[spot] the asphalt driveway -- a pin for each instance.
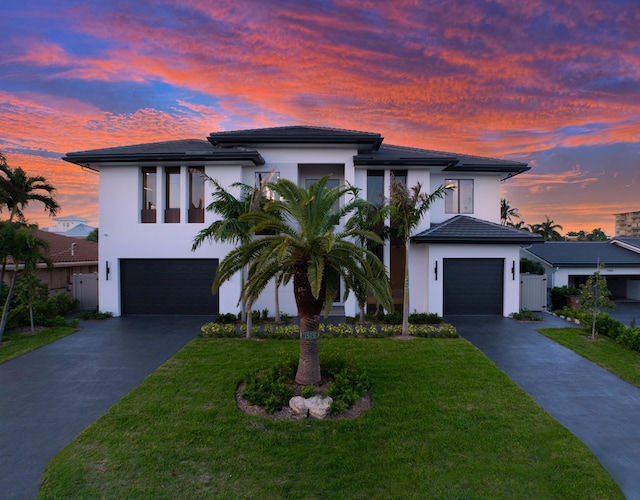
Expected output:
(48, 396)
(599, 408)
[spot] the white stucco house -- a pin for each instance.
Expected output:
(71, 226)
(153, 198)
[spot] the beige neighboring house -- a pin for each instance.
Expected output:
(70, 256)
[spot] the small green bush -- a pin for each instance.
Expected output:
(393, 318)
(226, 318)
(424, 318)
(526, 315)
(531, 266)
(308, 391)
(559, 296)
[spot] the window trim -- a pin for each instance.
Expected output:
(148, 215)
(195, 215)
(171, 213)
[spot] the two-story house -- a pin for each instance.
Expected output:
(153, 198)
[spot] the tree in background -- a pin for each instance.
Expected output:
(17, 189)
(406, 211)
(93, 235)
(548, 230)
(595, 235)
(302, 242)
(19, 246)
(508, 213)
(594, 295)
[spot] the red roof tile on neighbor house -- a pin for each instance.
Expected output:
(66, 249)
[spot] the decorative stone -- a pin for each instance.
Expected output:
(299, 406)
(318, 406)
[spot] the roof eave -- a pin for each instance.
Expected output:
(92, 161)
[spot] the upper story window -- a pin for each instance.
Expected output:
(196, 194)
(460, 199)
(400, 176)
(149, 192)
(172, 194)
(375, 187)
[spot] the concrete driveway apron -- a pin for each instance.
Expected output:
(599, 408)
(48, 396)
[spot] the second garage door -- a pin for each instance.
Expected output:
(473, 286)
(168, 286)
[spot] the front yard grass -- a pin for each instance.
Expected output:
(445, 423)
(15, 344)
(604, 351)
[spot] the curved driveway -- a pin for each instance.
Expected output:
(48, 396)
(598, 407)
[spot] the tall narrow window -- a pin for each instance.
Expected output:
(375, 187)
(460, 199)
(148, 212)
(172, 198)
(196, 195)
(400, 176)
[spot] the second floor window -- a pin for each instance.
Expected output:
(196, 194)
(148, 213)
(460, 199)
(172, 189)
(262, 178)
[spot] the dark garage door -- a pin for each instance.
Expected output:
(168, 286)
(473, 286)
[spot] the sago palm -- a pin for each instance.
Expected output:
(303, 243)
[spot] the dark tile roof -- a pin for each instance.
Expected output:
(179, 150)
(628, 242)
(297, 134)
(241, 145)
(464, 229)
(584, 253)
(67, 249)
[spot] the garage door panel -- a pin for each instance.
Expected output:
(168, 286)
(473, 286)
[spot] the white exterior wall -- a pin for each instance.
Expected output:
(511, 281)
(486, 196)
(123, 236)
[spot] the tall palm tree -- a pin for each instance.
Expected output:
(19, 243)
(17, 189)
(406, 211)
(305, 244)
(548, 230)
(229, 228)
(507, 213)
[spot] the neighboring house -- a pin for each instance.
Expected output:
(69, 256)
(72, 226)
(570, 263)
(152, 199)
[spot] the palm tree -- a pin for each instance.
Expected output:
(17, 189)
(368, 217)
(548, 230)
(507, 213)
(229, 228)
(406, 211)
(19, 243)
(304, 244)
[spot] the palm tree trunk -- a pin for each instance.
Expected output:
(405, 299)
(249, 321)
(7, 304)
(309, 309)
(276, 315)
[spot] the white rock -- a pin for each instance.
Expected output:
(299, 405)
(318, 406)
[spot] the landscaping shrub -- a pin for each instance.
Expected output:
(526, 315)
(393, 318)
(45, 307)
(424, 318)
(559, 296)
(531, 266)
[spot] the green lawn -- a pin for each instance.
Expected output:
(15, 344)
(604, 351)
(445, 423)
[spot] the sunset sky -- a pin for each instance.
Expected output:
(555, 83)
